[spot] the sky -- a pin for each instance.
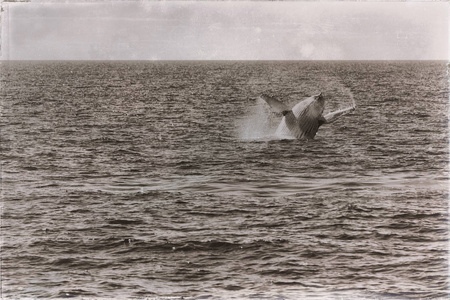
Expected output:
(225, 30)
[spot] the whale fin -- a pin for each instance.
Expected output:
(333, 116)
(276, 105)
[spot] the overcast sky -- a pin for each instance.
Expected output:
(172, 30)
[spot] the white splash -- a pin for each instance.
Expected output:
(259, 122)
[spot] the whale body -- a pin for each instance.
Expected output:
(305, 118)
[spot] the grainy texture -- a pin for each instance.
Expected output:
(141, 179)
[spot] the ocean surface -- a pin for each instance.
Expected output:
(165, 179)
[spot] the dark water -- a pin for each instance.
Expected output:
(144, 179)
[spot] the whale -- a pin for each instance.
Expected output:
(304, 119)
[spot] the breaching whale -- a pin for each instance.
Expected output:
(305, 118)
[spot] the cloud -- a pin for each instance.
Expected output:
(226, 30)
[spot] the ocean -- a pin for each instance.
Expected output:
(124, 179)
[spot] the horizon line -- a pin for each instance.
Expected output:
(209, 60)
